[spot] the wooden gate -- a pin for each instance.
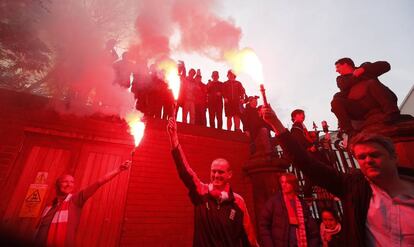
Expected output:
(42, 160)
(102, 215)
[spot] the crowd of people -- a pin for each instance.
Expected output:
(155, 98)
(377, 199)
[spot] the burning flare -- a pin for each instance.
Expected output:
(171, 75)
(136, 126)
(245, 61)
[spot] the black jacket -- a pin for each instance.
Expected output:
(252, 121)
(215, 93)
(224, 224)
(337, 240)
(372, 71)
(298, 133)
(274, 224)
(233, 91)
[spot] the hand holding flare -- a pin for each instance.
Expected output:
(136, 128)
(173, 79)
(263, 91)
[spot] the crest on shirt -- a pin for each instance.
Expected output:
(232, 214)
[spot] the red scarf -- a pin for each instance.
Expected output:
(296, 217)
(58, 227)
(326, 234)
(219, 195)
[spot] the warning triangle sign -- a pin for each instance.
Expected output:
(33, 197)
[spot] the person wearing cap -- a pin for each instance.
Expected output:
(215, 100)
(255, 128)
(234, 96)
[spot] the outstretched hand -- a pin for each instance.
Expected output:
(269, 116)
(172, 132)
(125, 166)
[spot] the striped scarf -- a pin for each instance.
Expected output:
(58, 227)
(296, 217)
(300, 231)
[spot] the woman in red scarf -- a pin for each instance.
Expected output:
(330, 229)
(286, 219)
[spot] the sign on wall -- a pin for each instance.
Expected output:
(34, 197)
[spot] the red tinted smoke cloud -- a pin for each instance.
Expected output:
(78, 37)
(82, 71)
(200, 29)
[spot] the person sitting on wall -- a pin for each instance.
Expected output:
(220, 215)
(59, 221)
(330, 229)
(286, 219)
(362, 96)
(255, 128)
(377, 199)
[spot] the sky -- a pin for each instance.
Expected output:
(299, 41)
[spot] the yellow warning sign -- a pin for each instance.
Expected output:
(34, 197)
(33, 200)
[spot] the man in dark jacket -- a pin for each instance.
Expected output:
(286, 220)
(220, 215)
(200, 101)
(234, 95)
(215, 100)
(255, 128)
(378, 201)
(362, 96)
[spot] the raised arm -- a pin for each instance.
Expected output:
(187, 175)
(91, 189)
(372, 70)
(320, 174)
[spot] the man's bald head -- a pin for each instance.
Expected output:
(223, 162)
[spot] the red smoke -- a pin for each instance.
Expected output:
(77, 31)
(201, 31)
(82, 73)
